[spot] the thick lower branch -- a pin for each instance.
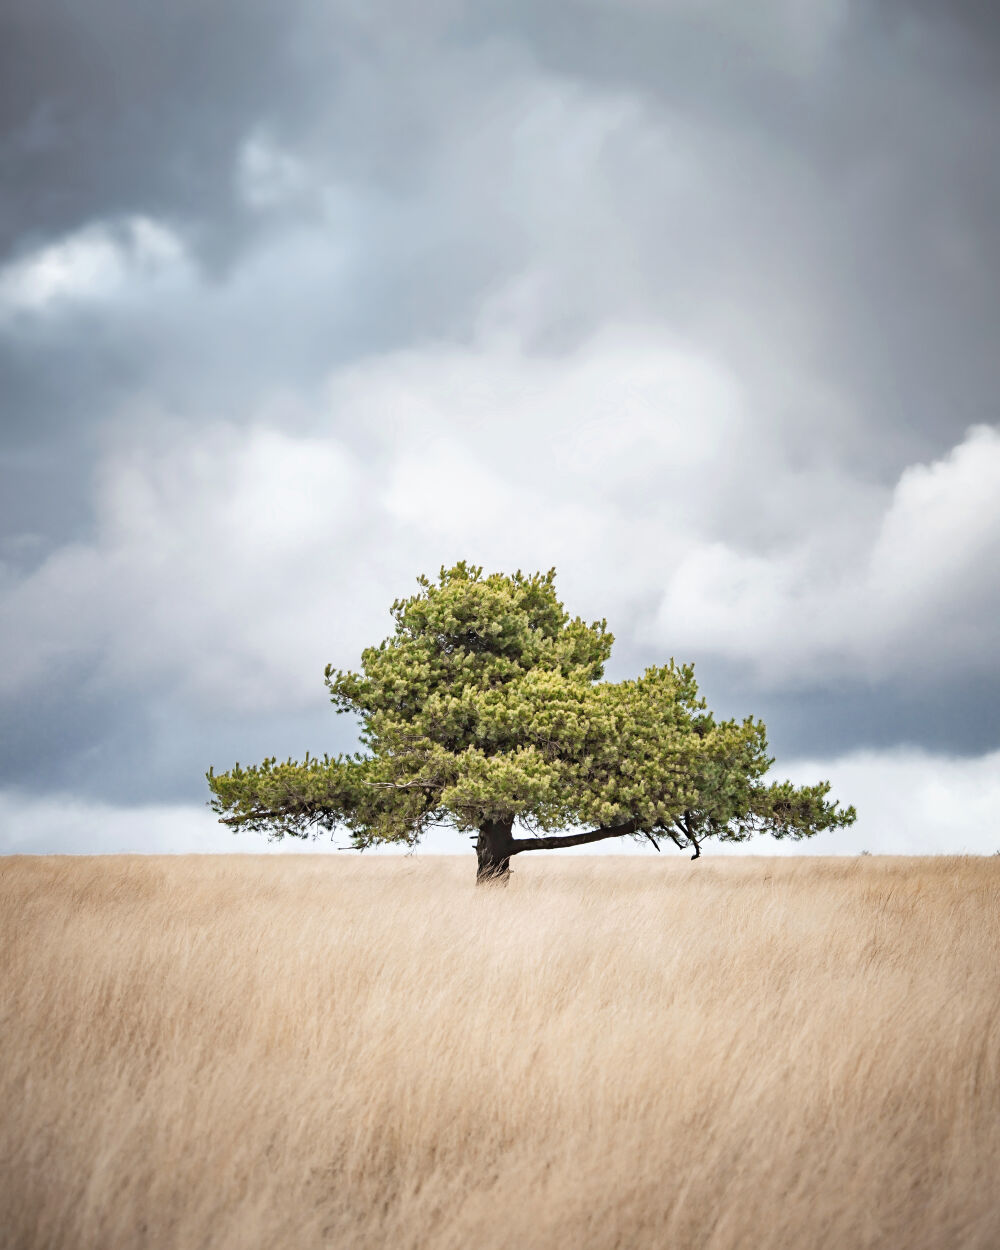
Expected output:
(560, 841)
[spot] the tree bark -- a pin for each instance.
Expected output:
(572, 839)
(494, 847)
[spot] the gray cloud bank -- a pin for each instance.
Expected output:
(697, 302)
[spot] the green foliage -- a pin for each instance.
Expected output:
(487, 704)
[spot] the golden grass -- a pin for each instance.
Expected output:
(242, 1052)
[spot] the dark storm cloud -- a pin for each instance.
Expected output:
(858, 172)
(837, 718)
(116, 107)
(851, 182)
(251, 198)
(143, 751)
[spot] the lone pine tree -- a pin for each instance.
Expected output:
(486, 710)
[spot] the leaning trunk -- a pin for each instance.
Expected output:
(494, 847)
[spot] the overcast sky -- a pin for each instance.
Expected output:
(696, 300)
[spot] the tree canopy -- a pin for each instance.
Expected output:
(486, 709)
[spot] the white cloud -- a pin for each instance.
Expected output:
(230, 563)
(909, 803)
(66, 825)
(54, 825)
(919, 588)
(95, 264)
(939, 547)
(211, 575)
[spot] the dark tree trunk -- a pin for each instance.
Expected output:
(494, 847)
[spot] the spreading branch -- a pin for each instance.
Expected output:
(558, 842)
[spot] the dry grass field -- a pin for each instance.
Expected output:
(238, 1052)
